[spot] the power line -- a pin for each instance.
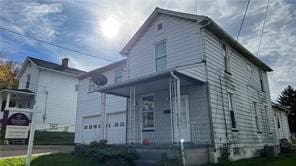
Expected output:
(242, 23)
(263, 26)
(55, 45)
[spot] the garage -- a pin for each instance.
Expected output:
(91, 129)
(115, 128)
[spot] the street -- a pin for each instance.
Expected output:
(20, 150)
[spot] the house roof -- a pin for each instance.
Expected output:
(102, 69)
(207, 23)
(279, 107)
(54, 66)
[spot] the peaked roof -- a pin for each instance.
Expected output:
(102, 69)
(205, 22)
(54, 66)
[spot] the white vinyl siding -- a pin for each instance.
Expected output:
(91, 86)
(183, 46)
(245, 85)
(160, 56)
(256, 113)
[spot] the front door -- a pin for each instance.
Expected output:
(182, 129)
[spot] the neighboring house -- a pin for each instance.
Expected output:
(89, 119)
(281, 117)
(188, 80)
(56, 89)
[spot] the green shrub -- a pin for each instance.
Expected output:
(106, 154)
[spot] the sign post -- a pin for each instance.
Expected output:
(31, 139)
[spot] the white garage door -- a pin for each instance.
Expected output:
(91, 129)
(116, 128)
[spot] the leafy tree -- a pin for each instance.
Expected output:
(8, 72)
(287, 99)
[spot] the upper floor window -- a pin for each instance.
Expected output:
(118, 76)
(226, 59)
(91, 86)
(231, 110)
(28, 81)
(261, 80)
(161, 56)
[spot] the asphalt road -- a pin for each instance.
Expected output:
(20, 150)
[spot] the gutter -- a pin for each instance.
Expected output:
(212, 26)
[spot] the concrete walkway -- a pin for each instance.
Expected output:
(21, 150)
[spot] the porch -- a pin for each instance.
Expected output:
(165, 108)
(15, 100)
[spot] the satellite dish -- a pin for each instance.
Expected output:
(99, 79)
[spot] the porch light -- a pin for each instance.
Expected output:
(181, 140)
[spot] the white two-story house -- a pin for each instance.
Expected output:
(56, 88)
(90, 116)
(190, 81)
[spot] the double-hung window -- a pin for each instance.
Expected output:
(231, 110)
(148, 112)
(28, 81)
(256, 117)
(161, 56)
(118, 76)
(91, 86)
(261, 80)
(267, 119)
(226, 59)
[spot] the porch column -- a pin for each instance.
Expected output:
(7, 101)
(176, 105)
(103, 116)
(132, 115)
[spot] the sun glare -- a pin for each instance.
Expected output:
(110, 27)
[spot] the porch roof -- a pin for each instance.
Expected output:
(150, 83)
(16, 93)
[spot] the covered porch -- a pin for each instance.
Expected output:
(165, 108)
(13, 101)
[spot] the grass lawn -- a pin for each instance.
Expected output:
(60, 159)
(281, 160)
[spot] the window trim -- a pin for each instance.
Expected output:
(267, 119)
(142, 112)
(226, 58)
(162, 56)
(28, 82)
(231, 110)
(118, 74)
(257, 122)
(91, 83)
(262, 87)
(163, 27)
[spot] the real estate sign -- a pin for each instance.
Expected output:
(17, 126)
(16, 132)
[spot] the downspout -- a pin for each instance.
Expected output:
(178, 99)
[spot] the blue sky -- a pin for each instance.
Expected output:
(77, 24)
